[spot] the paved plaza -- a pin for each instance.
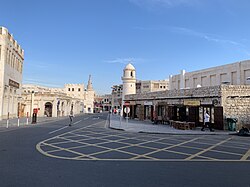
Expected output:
(119, 123)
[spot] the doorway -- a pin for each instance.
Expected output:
(48, 109)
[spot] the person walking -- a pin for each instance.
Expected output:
(71, 118)
(207, 122)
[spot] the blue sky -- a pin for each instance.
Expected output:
(66, 40)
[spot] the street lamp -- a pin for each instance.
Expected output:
(32, 101)
(8, 87)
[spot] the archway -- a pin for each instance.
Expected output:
(48, 109)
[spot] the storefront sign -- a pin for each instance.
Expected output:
(148, 103)
(191, 103)
(206, 103)
(13, 83)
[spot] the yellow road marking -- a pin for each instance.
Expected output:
(143, 157)
(205, 150)
(176, 145)
(245, 156)
(107, 149)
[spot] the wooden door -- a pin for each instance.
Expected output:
(193, 115)
(218, 118)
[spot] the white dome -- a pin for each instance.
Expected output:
(129, 67)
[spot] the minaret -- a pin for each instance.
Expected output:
(129, 82)
(89, 97)
(89, 86)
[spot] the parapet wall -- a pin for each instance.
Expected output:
(212, 91)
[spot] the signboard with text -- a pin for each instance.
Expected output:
(192, 103)
(13, 83)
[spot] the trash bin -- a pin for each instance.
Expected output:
(231, 124)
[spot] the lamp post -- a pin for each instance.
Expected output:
(8, 114)
(18, 110)
(32, 102)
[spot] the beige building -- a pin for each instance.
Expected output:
(223, 91)
(85, 95)
(189, 105)
(231, 74)
(50, 102)
(151, 86)
(11, 69)
(56, 102)
(116, 96)
(102, 103)
(106, 102)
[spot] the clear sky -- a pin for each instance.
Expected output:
(66, 40)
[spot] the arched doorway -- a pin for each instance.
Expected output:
(48, 109)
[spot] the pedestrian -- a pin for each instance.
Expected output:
(71, 118)
(207, 122)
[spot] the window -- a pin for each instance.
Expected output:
(131, 74)
(69, 89)
(79, 89)
(73, 89)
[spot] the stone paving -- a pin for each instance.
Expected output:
(116, 122)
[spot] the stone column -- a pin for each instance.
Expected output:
(54, 108)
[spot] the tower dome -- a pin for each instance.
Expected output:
(129, 67)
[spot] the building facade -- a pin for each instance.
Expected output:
(151, 86)
(222, 102)
(49, 102)
(102, 103)
(57, 102)
(141, 86)
(231, 74)
(116, 96)
(11, 70)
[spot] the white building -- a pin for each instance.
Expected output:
(11, 68)
(56, 102)
(129, 82)
(50, 102)
(231, 74)
(140, 86)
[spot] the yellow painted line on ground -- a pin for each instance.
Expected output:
(76, 147)
(111, 149)
(176, 145)
(205, 150)
(107, 149)
(225, 152)
(88, 157)
(58, 129)
(71, 151)
(245, 156)
(38, 146)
